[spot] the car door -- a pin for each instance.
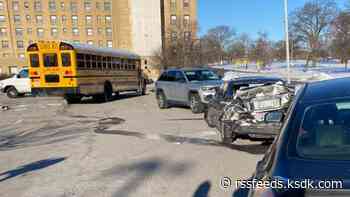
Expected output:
(170, 85)
(180, 90)
(22, 83)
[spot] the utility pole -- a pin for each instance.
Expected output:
(287, 38)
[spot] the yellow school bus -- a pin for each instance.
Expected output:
(78, 70)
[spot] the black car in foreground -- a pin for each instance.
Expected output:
(240, 108)
(313, 146)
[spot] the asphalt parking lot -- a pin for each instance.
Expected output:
(127, 147)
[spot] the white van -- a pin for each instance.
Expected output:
(16, 86)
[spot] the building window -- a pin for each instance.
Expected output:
(54, 32)
(88, 20)
(39, 19)
(20, 44)
(187, 35)
(5, 55)
(2, 18)
(107, 6)
(100, 31)
(4, 44)
(73, 6)
(15, 6)
(90, 42)
(3, 31)
(52, 5)
(89, 31)
(17, 19)
(108, 31)
(19, 32)
(186, 3)
(173, 36)
(100, 43)
(98, 6)
(2, 6)
(173, 20)
(65, 30)
(64, 19)
(109, 43)
(40, 32)
(75, 31)
(53, 20)
(186, 20)
(29, 31)
(63, 6)
(28, 18)
(173, 4)
(75, 20)
(108, 20)
(87, 5)
(26, 5)
(76, 41)
(37, 6)
(99, 20)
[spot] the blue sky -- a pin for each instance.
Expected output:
(250, 16)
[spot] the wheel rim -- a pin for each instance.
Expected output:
(160, 100)
(193, 102)
(12, 93)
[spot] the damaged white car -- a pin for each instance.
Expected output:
(249, 108)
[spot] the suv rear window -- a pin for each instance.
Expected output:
(50, 60)
(325, 132)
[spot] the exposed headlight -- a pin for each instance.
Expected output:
(204, 89)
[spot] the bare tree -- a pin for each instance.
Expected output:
(219, 39)
(341, 37)
(311, 23)
(261, 50)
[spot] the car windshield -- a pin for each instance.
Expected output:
(325, 132)
(201, 75)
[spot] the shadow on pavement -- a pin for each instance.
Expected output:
(140, 172)
(255, 149)
(38, 165)
(184, 119)
(203, 190)
(123, 96)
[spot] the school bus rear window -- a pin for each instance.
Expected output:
(50, 60)
(34, 60)
(66, 59)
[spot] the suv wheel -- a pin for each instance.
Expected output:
(161, 99)
(12, 92)
(228, 136)
(196, 103)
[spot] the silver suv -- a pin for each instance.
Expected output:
(190, 87)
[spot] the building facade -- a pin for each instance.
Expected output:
(135, 25)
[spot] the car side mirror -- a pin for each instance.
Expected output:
(274, 117)
(18, 76)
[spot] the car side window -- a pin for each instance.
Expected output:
(171, 76)
(23, 74)
(180, 77)
(164, 77)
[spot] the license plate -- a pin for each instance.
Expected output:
(267, 104)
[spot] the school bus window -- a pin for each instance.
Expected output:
(66, 59)
(133, 67)
(88, 61)
(80, 60)
(109, 63)
(93, 62)
(34, 60)
(104, 62)
(50, 60)
(99, 62)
